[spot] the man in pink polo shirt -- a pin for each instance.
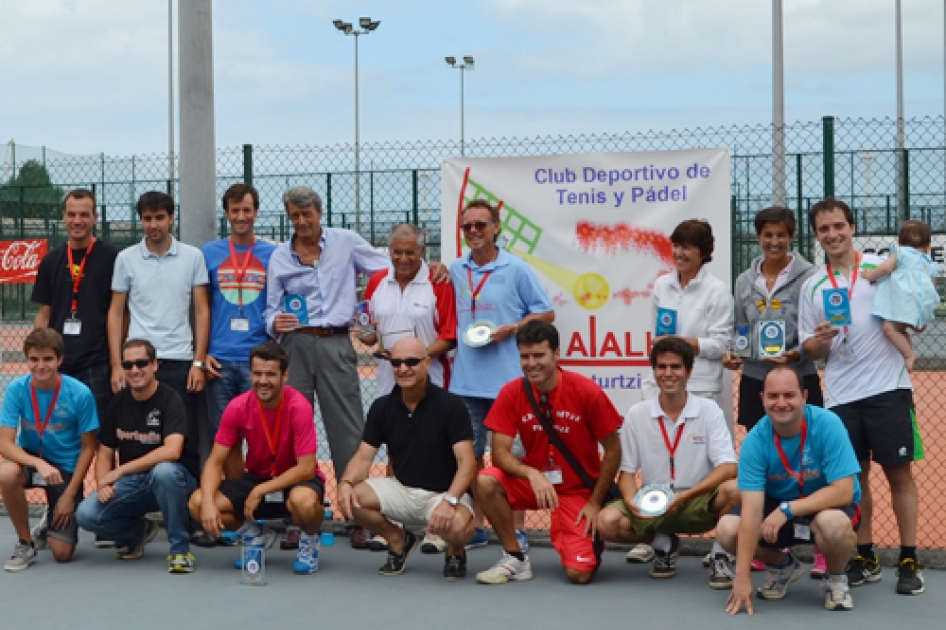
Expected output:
(282, 477)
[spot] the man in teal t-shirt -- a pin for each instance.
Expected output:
(56, 420)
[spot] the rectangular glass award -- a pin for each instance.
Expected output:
(771, 339)
(742, 341)
(837, 307)
(295, 305)
(666, 322)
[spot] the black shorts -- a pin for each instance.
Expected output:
(883, 428)
(70, 534)
(237, 490)
(750, 398)
(786, 535)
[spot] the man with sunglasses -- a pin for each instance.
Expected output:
(583, 417)
(497, 287)
(47, 440)
(157, 466)
(430, 444)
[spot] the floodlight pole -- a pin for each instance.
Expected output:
(779, 195)
(902, 210)
(468, 64)
(367, 25)
(171, 97)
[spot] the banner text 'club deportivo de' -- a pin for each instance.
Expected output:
(595, 228)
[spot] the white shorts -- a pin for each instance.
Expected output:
(410, 506)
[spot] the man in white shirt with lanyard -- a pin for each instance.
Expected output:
(867, 385)
(679, 440)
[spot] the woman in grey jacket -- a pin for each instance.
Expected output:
(769, 290)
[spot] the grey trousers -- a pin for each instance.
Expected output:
(327, 367)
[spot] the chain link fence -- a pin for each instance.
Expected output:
(856, 160)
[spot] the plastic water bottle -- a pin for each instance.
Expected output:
(328, 529)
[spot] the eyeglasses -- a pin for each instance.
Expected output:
(139, 363)
(479, 226)
(409, 362)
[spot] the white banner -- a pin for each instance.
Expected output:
(595, 228)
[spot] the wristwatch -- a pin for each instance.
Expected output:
(199, 364)
(786, 508)
(452, 500)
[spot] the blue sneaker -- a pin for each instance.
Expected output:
(307, 558)
(523, 539)
(479, 539)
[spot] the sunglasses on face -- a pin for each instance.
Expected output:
(409, 362)
(139, 363)
(479, 226)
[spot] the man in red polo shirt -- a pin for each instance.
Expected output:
(584, 417)
(282, 477)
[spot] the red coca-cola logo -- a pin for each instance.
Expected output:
(20, 260)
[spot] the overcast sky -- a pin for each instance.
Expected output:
(89, 76)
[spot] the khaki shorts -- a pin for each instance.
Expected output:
(410, 506)
(696, 517)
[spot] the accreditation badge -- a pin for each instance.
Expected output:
(72, 327)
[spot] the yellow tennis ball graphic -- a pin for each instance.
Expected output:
(591, 291)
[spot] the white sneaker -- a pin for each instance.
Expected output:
(642, 553)
(508, 568)
(837, 594)
(24, 555)
(39, 533)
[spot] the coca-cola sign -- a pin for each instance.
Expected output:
(19, 260)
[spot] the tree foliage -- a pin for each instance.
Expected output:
(31, 193)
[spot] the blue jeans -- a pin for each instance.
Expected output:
(234, 380)
(166, 487)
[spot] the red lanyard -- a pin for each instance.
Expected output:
(271, 439)
(77, 276)
(797, 476)
(671, 449)
(237, 271)
(475, 293)
(41, 424)
(853, 281)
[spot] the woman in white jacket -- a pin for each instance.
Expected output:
(703, 306)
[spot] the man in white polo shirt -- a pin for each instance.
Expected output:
(682, 441)
(157, 279)
(403, 302)
(867, 385)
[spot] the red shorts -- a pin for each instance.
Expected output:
(576, 550)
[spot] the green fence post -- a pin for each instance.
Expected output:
(105, 228)
(371, 203)
(804, 243)
(248, 164)
(906, 185)
(328, 198)
(827, 125)
(414, 196)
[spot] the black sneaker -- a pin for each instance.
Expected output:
(397, 561)
(861, 570)
(910, 577)
(454, 567)
(665, 562)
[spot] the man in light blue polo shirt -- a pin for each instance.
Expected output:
(157, 279)
(490, 285)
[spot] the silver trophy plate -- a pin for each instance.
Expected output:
(478, 334)
(653, 500)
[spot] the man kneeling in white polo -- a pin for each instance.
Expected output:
(430, 446)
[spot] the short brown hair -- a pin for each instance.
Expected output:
(776, 215)
(673, 345)
(695, 233)
(44, 339)
(141, 343)
(79, 193)
(270, 351)
(915, 234)
(827, 205)
(237, 192)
